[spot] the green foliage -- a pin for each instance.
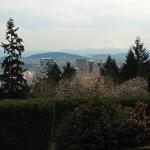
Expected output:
(68, 71)
(25, 125)
(111, 69)
(93, 126)
(28, 124)
(46, 87)
(52, 73)
(137, 62)
(137, 128)
(80, 123)
(43, 89)
(141, 53)
(129, 69)
(13, 83)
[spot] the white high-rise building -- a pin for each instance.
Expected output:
(93, 68)
(87, 66)
(82, 65)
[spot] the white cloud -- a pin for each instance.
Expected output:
(59, 24)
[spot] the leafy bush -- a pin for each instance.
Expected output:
(78, 86)
(43, 89)
(137, 128)
(25, 125)
(28, 124)
(133, 87)
(91, 126)
(80, 123)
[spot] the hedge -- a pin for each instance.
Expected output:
(27, 124)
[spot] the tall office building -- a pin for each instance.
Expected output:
(87, 66)
(93, 68)
(82, 65)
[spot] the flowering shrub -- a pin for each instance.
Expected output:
(91, 86)
(137, 129)
(134, 87)
(78, 86)
(138, 118)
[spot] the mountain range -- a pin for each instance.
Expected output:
(33, 57)
(32, 62)
(63, 57)
(59, 57)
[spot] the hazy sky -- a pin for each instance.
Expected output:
(75, 24)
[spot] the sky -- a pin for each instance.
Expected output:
(77, 24)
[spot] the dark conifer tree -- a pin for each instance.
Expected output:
(141, 54)
(68, 71)
(52, 73)
(130, 67)
(111, 69)
(108, 63)
(137, 62)
(13, 83)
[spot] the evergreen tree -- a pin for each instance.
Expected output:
(141, 54)
(130, 67)
(111, 69)
(108, 63)
(137, 62)
(13, 83)
(68, 71)
(52, 73)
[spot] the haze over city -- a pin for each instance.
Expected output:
(77, 24)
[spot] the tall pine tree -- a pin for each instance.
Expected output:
(143, 60)
(13, 84)
(137, 63)
(142, 56)
(52, 73)
(111, 69)
(68, 71)
(129, 69)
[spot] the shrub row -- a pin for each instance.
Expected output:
(25, 125)
(28, 124)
